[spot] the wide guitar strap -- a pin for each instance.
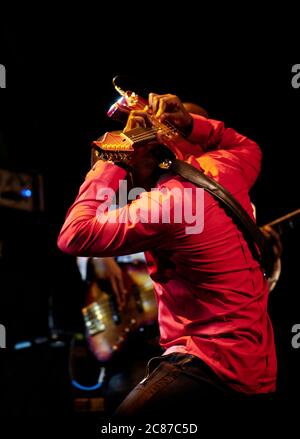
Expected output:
(258, 244)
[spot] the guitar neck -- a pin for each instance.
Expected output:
(141, 135)
(285, 222)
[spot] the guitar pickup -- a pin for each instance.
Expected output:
(93, 319)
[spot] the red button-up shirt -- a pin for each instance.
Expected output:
(211, 294)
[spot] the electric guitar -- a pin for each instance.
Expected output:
(107, 326)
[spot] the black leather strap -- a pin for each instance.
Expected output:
(252, 233)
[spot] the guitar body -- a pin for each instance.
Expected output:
(107, 327)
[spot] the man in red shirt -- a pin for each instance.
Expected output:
(211, 293)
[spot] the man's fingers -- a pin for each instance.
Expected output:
(114, 286)
(168, 105)
(121, 286)
(160, 103)
(171, 117)
(137, 119)
(119, 290)
(274, 237)
(153, 102)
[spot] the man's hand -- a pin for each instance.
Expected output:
(107, 268)
(274, 238)
(166, 107)
(169, 108)
(275, 241)
(115, 276)
(138, 118)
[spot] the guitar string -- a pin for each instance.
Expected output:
(148, 134)
(164, 127)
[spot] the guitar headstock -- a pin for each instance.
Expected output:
(119, 147)
(127, 102)
(114, 147)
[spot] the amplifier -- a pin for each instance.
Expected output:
(22, 191)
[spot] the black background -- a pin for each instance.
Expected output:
(59, 87)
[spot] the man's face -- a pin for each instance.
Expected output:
(144, 161)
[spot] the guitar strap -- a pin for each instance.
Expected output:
(258, 244)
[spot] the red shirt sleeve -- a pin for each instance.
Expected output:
(237, 150)
(92, 229)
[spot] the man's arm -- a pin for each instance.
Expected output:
(241, 152)
(237, 150)
(90, 229)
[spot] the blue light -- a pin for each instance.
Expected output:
(89, 388)
(26, 193)
(23, 345)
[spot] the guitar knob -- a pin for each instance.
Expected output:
(133, 321)
(127, 329)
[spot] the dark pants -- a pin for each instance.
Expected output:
(178, 387)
